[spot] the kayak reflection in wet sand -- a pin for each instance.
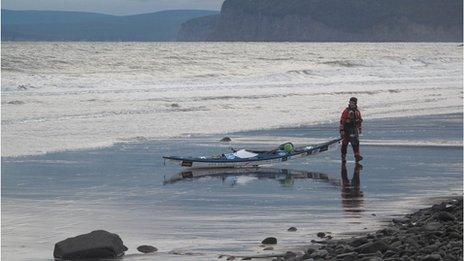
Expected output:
(227, 175)
(352, 196)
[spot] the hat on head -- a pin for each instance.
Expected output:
(354, 99)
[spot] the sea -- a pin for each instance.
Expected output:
(85, 126)
(61, 96)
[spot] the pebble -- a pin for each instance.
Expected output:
(359, 241)
(310, 251)
(269, 241)
(289, 255)
(432, 226)
(147, 249)
(372, 247)
(432, 257)
(348, 256)
(320, 253)
(444, 216)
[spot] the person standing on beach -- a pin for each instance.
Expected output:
(350, 128)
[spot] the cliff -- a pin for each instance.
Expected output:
(330, 20)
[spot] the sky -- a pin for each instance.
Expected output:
(115, 7)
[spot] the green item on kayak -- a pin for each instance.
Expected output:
(287, 147)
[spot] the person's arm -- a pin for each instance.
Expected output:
(359, 122)
(343, 120)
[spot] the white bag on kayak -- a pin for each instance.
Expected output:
(243, 154)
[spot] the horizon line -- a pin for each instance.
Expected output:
(89, 12)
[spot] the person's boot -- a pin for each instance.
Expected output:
(343, 158)
(358, 158)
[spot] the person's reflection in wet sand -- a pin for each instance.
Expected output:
(352, 196)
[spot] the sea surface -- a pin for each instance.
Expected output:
(61, 96)
(85, 126)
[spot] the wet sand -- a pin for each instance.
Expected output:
(127, 190)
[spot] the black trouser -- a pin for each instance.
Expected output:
(350, 138)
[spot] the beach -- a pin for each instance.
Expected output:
(85, 126)
(127, 189)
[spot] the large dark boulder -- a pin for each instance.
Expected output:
(96, 244)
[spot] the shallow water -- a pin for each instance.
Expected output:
(60, 96)
(127, 190)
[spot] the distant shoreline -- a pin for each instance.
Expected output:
(28, 25)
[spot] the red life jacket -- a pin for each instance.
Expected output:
(350, 121)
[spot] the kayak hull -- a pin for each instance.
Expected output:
(188, 163)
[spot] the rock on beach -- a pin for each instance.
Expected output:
(269, 241)
(96, 244)
(147, 249)
(226, 139)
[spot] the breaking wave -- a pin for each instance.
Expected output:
(163, 90)
(343, 63)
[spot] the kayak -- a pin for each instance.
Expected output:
(251, 158)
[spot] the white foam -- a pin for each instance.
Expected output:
(413, 143)
(83, 95)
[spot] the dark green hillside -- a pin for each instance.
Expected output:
(79, 26)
